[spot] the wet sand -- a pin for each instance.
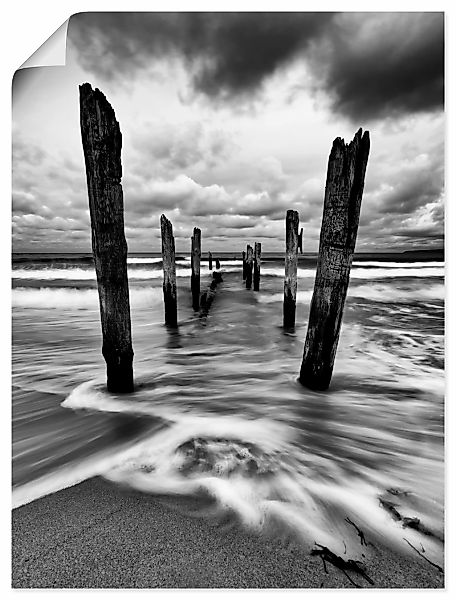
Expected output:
(97, 535)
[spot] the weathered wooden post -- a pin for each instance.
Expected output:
(249, 267)
(195, 261)
(210, 261)
(343, 193)
(102, 144)
(300, 240)
(169, 272)
(244, 268)
(257, 267)
(217, 263)
(290, 284)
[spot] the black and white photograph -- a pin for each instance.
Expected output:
(228, 303)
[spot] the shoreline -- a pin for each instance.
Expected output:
(98, 535)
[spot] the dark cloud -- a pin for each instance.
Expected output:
(384, 64)
(231, 53)
(370, 65)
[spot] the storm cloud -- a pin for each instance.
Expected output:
(177, 82)
(368, 65)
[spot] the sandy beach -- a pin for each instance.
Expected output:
(97, 535)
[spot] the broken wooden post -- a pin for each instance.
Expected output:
(300, 240)
(249, 267)
(195, 261)
(102, 144)
(210, 261)
(244, 268)
(169, 272)
(217, 263)
(343, 193)
(290, 284)
(257, 267)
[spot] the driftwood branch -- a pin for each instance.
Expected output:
(340, 563)
(425, 558)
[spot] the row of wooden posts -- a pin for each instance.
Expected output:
(102, 143)
(169, 272)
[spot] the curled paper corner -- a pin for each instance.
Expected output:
(52, 53)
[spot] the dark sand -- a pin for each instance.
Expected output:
(96, 535)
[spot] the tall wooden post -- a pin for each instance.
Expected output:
(244, 268)
(290, 284)
(169, 272)
(195, 261)
(257, 267)
(102, 144)
(210, 261)
(249, 267)
(301, 233)
(344, 189)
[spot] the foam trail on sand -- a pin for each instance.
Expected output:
(254, 468)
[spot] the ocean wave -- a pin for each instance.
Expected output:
(76, 298)
(398, 265)
(375, 291)
(365, 273)
(134, 273)
(132, 260)
(254, 468)
(77, 274)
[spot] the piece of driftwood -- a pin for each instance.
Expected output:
(257, 267)
(407, 522)
(217, 263)
(210, 260)
(343, 193)
(356, 566)
(290, 284)
(102, 145)
(438, 567)
(169, 272)
(249, 267)
(195, 260)
(359, 531)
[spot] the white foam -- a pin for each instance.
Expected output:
(399, 265)
(311, 494)
(63, 478)
(365, 273)
(66, 298)
(78, 274)
(132, 260)
(292, 491)
(374, 291)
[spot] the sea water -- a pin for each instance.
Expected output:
(218, 411)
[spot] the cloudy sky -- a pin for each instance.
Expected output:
(227, 122)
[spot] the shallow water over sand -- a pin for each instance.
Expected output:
(218, 410)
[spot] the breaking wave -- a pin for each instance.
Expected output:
(77, 298)
(258, 470)
(374, 292)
